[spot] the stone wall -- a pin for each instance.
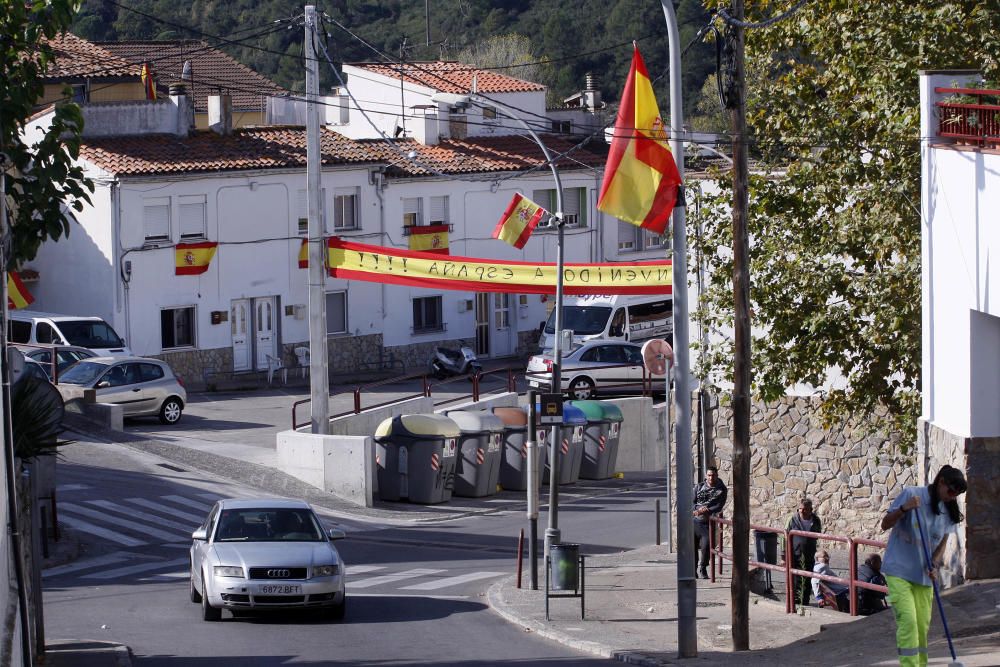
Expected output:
(974, 554)
(851, 475)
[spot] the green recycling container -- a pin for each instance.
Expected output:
(600, 438)
(415, 458)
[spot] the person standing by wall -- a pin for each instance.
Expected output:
(803, 548)
(907, 574)
(709, 499)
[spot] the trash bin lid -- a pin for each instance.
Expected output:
(475, 422)
(571, 413)
(592, 410)
(418, 425)
(611, 411)
(512, 416)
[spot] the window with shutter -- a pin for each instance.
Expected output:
(336, 312)
(192, 216)
(438, 211)
(345, 208)
(303, 211)
(572, 209)
(412, 211)
(156, 219)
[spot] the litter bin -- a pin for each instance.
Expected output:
(570, 445)
(514, 459)
(564, 567)
(477, 469)
(600, 438)
(415, 458)
(767, 551)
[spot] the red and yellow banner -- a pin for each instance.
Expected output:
(18, 295)
(641, 177)
(518, 221)
(148, 82)
(429, 238)
(359, 261)
(192, 259)
(304, 254)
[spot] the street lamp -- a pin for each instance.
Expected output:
(552, 535)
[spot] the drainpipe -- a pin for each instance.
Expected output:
(379, 178)
(124, 267)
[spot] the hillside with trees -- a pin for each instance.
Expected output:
(564, 40)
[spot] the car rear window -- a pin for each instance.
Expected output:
(150, 372)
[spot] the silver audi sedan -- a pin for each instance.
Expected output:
(265, 554)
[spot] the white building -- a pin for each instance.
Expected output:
(960, 203)
(159, 183)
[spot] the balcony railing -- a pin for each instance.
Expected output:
(969, 115)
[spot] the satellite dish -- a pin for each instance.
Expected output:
(657, 356)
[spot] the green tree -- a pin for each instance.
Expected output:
(42, 181)
(509, 54)
(834, 213)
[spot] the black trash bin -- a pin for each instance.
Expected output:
(767, 551)
(600, 438)
(514, 461)
(564, 567)
(477, 468)
(415, 458)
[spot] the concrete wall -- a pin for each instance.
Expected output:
(642, 439)
(340, 464)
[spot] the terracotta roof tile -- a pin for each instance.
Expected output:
(213, 71)
(451, 77)
(79, 59)
(271, 147)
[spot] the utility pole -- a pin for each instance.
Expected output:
(319, 378)
(687, 587)
(735, 103)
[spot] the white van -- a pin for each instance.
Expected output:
(27, 327)
(612, 317)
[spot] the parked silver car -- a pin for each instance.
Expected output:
(595, 365)
(141, 386)
(265, 554)
(65, 355)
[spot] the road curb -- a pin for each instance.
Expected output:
(72, 652)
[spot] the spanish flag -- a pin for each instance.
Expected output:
(18, 295)
(148, 82)
(429, 238)
(192, 259)
(518, 221)
(640, 178)
(304, 254)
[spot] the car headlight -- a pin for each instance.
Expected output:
(228, 571)
(324, 570)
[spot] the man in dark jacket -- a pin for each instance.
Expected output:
(803, 548)
(709, 499)
(870, 602)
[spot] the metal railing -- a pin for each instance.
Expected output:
(969, 114)
(852, 583)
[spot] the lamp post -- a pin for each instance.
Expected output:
(552, 534)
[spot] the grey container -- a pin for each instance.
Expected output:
(477, 469)
(415, 458)
(569, 448)
(514, 458)
(600, 438)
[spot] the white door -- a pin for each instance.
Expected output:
(265, 336)
(239, 317)
(502, 345)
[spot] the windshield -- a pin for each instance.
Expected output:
(582, 320)
(90, 333)
(85, 372)
(268, 525)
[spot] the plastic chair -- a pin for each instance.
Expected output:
(275, 364)
(302, 354)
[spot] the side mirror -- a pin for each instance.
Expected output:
(103, 383)
(336, 534)
(200, 534)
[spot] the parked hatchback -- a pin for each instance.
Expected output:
(141, 386)
(596, 365)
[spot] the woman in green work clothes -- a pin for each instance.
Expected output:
(904, 566)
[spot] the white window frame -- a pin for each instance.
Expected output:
(192, 217)
(574, 205)
(193, 326)
(429, 328)
(330, 309)
(156, 219)
(438, 210)
(413, 211)
(302, 204)
(632, 238)
(346, 199)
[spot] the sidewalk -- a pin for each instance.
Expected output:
(631, 616)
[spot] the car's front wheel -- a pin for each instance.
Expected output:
(208, 612)
(170, 411)
(580, 389)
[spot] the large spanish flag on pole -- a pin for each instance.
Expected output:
(640, 178)
(518, 221)
(18, 295)
(359, 261)
(192, 259)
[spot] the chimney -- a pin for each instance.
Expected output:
(220, 113)
(185, 110)
(591, 95)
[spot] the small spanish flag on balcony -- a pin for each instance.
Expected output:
(18, 295)
(192, 259)
(304, 254)
(429, 238)
(518, 221)
(148, 82)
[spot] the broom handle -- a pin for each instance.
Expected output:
(937, 596)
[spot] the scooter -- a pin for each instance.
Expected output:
(447, 362)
